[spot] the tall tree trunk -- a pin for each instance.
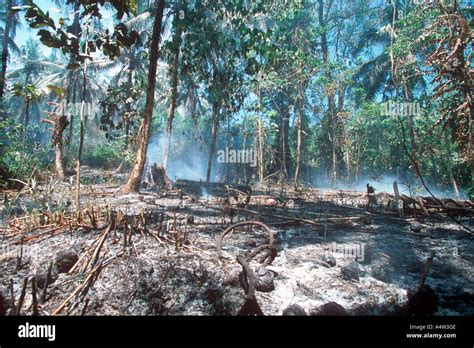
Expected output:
(411, 129)
(75, 30)
(245, 140)
(131, 66)
(72, 110)
(330, 96)
(470, 123)
(174, 93)
(298, 147)
(27, 113)
(299, 132)
(471, 147)
(228, 179)
(81, 136)
(261, 163)
(357, 164)
(60, 126)
(285, 150)
(450, 164)
(212, 149)
(282, 149)
(5, 39)
(134, 180)
(343, 158)
(58, 161)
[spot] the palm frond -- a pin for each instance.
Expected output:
(140, 22)
(102, 65)
(373, 75)
(13, 46)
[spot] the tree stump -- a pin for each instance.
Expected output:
(156, 179)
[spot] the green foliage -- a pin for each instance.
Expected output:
(260, 60)
(28, 92)
(62, 36)
(120, 110)
(107, 155)
(20, 153)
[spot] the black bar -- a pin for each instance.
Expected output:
(240, 330)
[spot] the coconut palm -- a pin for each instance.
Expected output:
(11, 22)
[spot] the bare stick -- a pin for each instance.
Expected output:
(33, 293)
(12, 295)
(20, 255)
(428, 264)
(76, 291)
(95, 256)
(48, 276)
(22, 296)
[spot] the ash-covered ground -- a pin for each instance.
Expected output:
(367, 262)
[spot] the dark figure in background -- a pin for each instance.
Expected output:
(371, 197)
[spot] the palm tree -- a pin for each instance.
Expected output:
(173, 71)
(11, 23)
(30, 94)
(134, 180)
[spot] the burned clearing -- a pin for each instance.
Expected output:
(193, 249)
(198, 158)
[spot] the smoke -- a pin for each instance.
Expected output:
(406, 185)
(187, 157)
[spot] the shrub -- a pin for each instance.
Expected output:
(107, 155)
(21, 152)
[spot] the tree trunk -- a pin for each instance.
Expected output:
(261, 163)
(282, 155)
(227, 177)
(470, 123)
(357, 164)
(343, 158)
(285, 147)
(131, 66)
(299, 132)
(133, 183)
(61, 125)
(72, 110)
(27, 114)
(75, 30)
(5, 39)
(330, 96)
(81, 141)
(298, 148)
(212, 149)
(450, 165)
(58, 162)
(174, 93)
(81, 129)
(411, 131)
(471, 148)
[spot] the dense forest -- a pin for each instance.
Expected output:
(139, 122)
(326, 93)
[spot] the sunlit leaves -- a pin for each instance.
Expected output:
(64, 39)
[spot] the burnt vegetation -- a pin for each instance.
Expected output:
(236, 158)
